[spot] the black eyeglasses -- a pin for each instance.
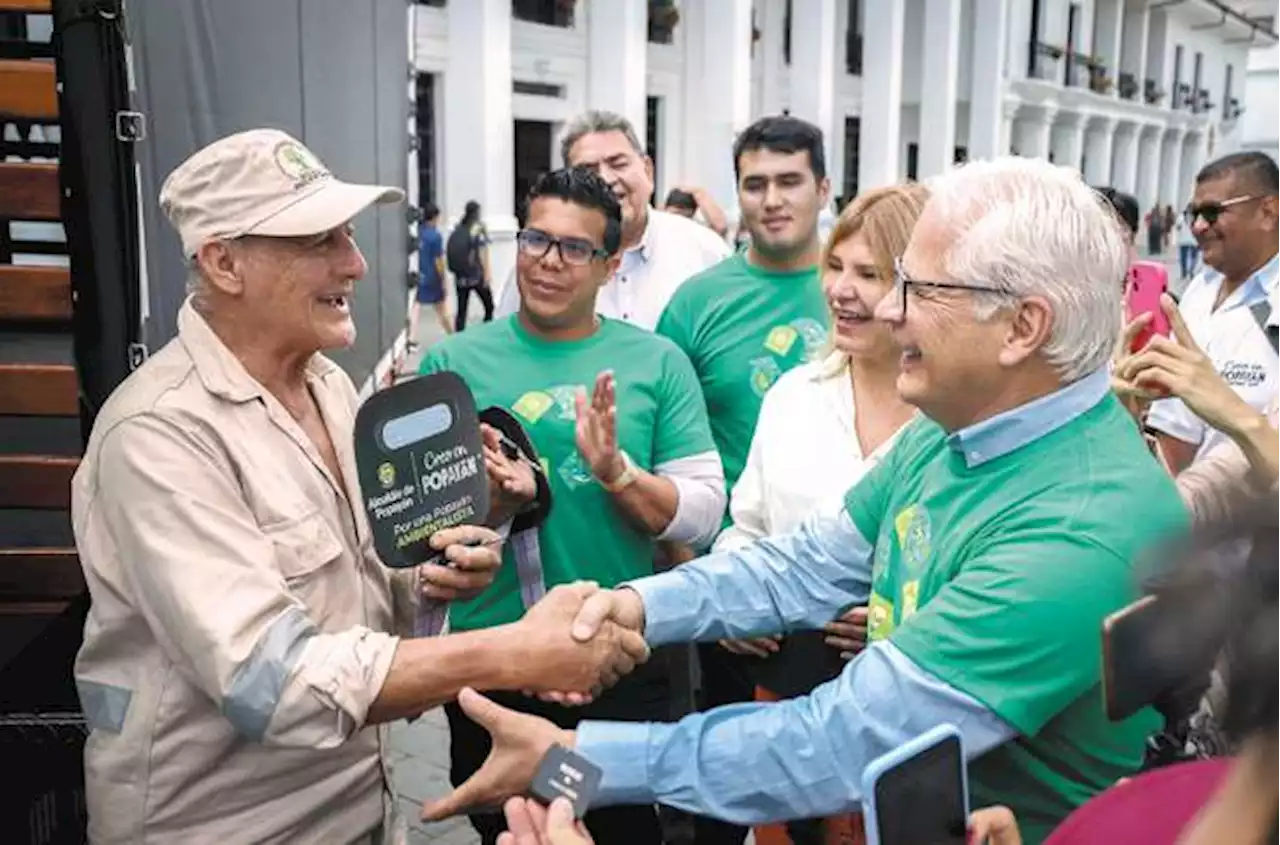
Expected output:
(901, 282)
(1211, 211)
(535, 243)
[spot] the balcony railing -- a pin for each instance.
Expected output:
(1044, 61)
(1128, 88)
(853, 52)
(1152, 94)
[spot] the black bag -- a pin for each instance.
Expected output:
(460, 253)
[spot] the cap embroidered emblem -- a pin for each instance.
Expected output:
(298, 164)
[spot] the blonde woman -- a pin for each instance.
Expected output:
(822, 426)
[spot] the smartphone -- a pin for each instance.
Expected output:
(1134, 672)
(1147, 282)
(918, 792)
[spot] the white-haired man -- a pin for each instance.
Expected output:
(241, 652)
(989, 544)
(659, 249)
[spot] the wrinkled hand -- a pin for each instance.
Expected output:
(596, 429)
(529, 823)
(511, 481)
(1133, 397)
(620, 608)
(1179, 367)
(519, 743)
(848, 632)
(993, 826)
(753, 646)
(576, 668)
(473, 554)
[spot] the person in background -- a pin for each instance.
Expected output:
(1155, 231)
(990, 543)
(430, 275)
(1188, 249)
(468, 256)
(826, 423)
(745, 322)
(689, 201)
(245, 647)
(615, 414)
(1169, 219)
(1234, 215)
(659, 249)
(1125, 207)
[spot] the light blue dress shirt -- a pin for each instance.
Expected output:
(802, 758)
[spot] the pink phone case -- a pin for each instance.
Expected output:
(1148, 281)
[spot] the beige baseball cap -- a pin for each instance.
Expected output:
(260, 182)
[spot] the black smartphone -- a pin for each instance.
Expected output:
(918, 792)
(1134, 672)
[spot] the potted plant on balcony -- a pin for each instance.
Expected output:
(1128, 86)
(663, 17)
(565, 10)
(1099, 82)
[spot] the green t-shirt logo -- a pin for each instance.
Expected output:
(902, 558)
(532, 405)
(780, 339)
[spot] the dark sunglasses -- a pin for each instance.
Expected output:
(1211, 211)
(535, 243)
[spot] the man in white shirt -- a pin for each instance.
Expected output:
(660, 249)
(1233, 216)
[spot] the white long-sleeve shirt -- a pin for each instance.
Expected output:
(804, 454)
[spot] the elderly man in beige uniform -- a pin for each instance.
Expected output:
(242, 648)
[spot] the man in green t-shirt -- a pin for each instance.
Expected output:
(617, 421)
(990, 542)
(746, 321)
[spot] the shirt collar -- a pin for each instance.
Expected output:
(1258, 286)
(218, 368)
(1013, 429)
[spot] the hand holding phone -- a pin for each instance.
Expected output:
(1147, 281)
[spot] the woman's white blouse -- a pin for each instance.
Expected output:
(804, 454)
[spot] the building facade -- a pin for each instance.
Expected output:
(1137, 94)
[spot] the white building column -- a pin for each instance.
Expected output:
(1124, 167)
(478, 128)
(617, 53)
(1067, 142)
(941, 59)
(1008, 116)
(1148, 166)
(772, 22)
(1108, 33)
(988, 124)
(718, 91)
(1034, 130)
(812, 91)
(881, 133)
(1171, 167)
(1195, 151)
(1098, 151)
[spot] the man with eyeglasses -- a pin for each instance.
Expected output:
(989, 543)
(616, 416)
(1233, 217)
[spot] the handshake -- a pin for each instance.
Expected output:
(577, 641)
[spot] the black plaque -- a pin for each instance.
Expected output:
(421, 465)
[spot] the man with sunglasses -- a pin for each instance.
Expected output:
(615, 414)
(989, 544)
(1233, 216)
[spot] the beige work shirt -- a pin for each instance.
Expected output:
(241, 622)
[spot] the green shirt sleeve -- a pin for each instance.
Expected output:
(683, 428)
(1019, 627)
(674, 324)
(432, 362)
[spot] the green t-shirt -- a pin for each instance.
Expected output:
(996, 579)
(660, 418)
(743, 327)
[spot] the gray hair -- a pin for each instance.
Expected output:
(1032, 228)
(593, 121)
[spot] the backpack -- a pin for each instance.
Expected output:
(460, 252)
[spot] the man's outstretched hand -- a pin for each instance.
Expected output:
(619, 610)
(564, 656)
(519, 743)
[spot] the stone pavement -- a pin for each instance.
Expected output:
(420, 756)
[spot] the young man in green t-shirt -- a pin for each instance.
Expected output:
(747, 320)
(615, 415)
(991, 543)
